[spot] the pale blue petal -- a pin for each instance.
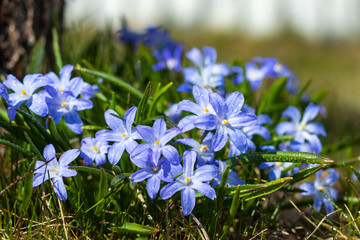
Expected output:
(49, 152)
(331, 179)
(209, 55)
(141, 175)
(234, 101)
(242, 120)
(286, 128)
(74, 122)
(171, 154)
(189, 159)
(238, 138)
(159, 128)
(68, 172)
(315, 128)
(169, 135)
(189, 106)
(129, 118)
(146, 133)
(67, 157)
(38, 105)
(308, 187)
(113, 121)
(170, 189)
(60, 189)
(220, 139)
(206, 122)
(205, 173)
(39, 179)
(187, 200)
(204, 189)
(65, 73)
(187, 123)
(292, 113)
(311, 111)
(195, 56)
(140, 155)
(153, 186)
(115, 152)
(219, 105)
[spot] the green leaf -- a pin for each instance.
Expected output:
(318, 96)
(91, 170)
(118, 82)
(35, 149)
(136, 228)
(119, 179)
(269, 97)
(65, 145)
(92, 127)
(232, 213)
(157, 96)
(280, 156)
(142, 104)
(271, 187)
(56, 48)
(17, 147)
(37, 56)
(102, 192)
(304, 174)
(28, 188)
(35, 122)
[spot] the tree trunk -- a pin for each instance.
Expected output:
(22, 24)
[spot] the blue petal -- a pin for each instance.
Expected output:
(315, 128)
(292, 113)
(219, 105)
(331, 178)
(13, 83)
(234, 101)
(204, 189)
(115, 152)
(65, 73)
(220, 139)
(238, 138)
(274, 174)
(81, 104)
(170, 189)
(100, 159)
(68, 172)
(39, 179)
(129, 118)
(189, 142)
(308, 187)
(189, 106)
(318, 200)
(265, 165)
(206, 122)
(141, 175)
(205, 173)
(76, 86)
(60, 189)
(113, 121)
(146, 133)
(49, 152)
(140, 155)
(159, 128)
(187, 123)
(286, 128)
(171, 154)
(187, 200)
(184, 88)
(3, 92)
(74, 122)
(242, 120)
(311, 111)
(153, 186)
(189, 159)
(195, 56)
(209, 55)
(38, 105)
(329, 207)
(67, 157)
(169, 135)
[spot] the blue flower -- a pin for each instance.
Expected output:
(64, 84)
(274, 69)
(190, 181)
(173, 113)
(25, 92)
(302, 129)
(207, 72)
(202, 107)
(228, 121)
(320, 188)
(239, 74)
(121, 134)
(254, 75)
(64, 104)
(163, 171)
(156, 139)
(91, 150)
(232, 180)
(205, 154)
(168, 59)
(55, 170)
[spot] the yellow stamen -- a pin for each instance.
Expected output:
(322, 189)
(279, 163)
(63, 104)
(203, 148)
(53, 169)
(206, 110)
(23, 92)
(204, 85)
(61, 90)
(157, 142)
(95, 148)
(187, 179)
(225, 122)
(154, 168)
(123, 134)
(302, 126)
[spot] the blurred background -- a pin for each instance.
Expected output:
(319, 40)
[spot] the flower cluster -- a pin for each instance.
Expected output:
(49, 95)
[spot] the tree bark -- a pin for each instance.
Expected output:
(22, 24)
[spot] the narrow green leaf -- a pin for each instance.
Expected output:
(318, 96)
(271, 187)
(113, 101)
(34, 148)
(17, 147)
(304, 174)
(28, 186)
(118, 179)
(92, 127)
(56, 135)
(34, 121)
(91, 170)
(280, 156)
(118, 82)
(232, 213)
(136, 228)
(142, 104)
(157, 96)
(56, 48)
(269, 97)
(102, 192)
(37, 56)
